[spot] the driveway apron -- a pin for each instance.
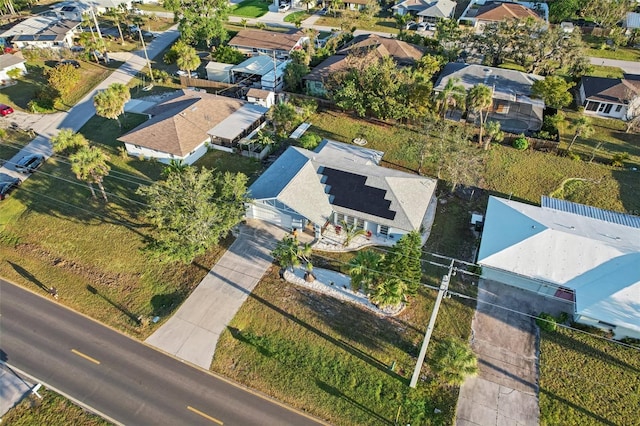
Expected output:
(192, 332)
(505, 392)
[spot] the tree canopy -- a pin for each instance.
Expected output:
(110, 102)
(192, 210)
(453, 361)
(554, 91)
(200, 20)
(63, 79)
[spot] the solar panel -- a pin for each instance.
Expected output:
(68, 8)
(349, 190)
(47, 37)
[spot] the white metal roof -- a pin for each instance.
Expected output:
(597, 259)
(240, 120)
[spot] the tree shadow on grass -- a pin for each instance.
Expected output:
(118, 306)
(594, 416)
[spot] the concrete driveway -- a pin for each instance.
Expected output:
(192, 332)
(506, 344)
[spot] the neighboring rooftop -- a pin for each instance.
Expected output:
(616, 90)
(269, 40)
(40, 26)
(494, 11)
(8, 60)
(430, 8)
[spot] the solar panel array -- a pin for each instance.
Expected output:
(349, 190)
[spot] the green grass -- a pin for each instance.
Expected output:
(597, 48)
(28, 85)
(295, 16)
(584, 380)
(382, 24)
(152, 7)
(605, 71)
(54, 234)
(52, 409)
(250, 8)
(234, 163)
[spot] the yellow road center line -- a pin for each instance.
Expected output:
(206, 416)
(87, 357)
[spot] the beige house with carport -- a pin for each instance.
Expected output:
(184, 127)
(255, 42)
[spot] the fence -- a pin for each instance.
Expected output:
(185, 81)
(536, 144)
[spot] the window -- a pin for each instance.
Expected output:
(384, 230)
(605, 108)
(592, 106)
(618, 108)
(359, 223)
(339, 218)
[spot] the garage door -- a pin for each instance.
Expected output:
(271, 215)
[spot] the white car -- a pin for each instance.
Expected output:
(284, 7)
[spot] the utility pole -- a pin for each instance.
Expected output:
(144, 47)
(95, 20)
(432, 322)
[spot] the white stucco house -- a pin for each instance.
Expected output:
(582, 254)
(9, 62)
(339, 183)
(185, 126)
(42, 32)
(426, 10)
(610, 97)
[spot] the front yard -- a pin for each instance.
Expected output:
(250, 8)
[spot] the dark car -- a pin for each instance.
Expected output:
(5, 110)
(7, 186)
(71, 62)
(29, 163)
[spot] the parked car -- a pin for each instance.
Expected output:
(284, 7)
(323, 11)
(29, 163)
(7, 186)
(411, 25)
(5, 110)
(71, 62)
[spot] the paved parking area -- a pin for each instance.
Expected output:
(505, 392)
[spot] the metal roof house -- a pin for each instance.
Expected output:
(583, 254)
(42, 32)
(341, 183)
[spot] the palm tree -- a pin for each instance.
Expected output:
(401, 20)
(363, 270)
(350, 232)
(188, 59)
(493, 132)
(451, 97)
(453, 360)
(390, 292)
(90, 165)
(116, 14)
(480, 99)
(174, 166)
(67, 140)
(110, 103)
(583, 129)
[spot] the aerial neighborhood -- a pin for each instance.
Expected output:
(349, 212)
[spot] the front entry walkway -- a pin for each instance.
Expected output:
(505, 392)
(192, 332)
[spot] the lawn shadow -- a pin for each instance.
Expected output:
(337, 393)
(28, 276)
(164, 304)
(576, 407)
(132, 317)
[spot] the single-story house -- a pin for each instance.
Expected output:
(610, 97)
(185, 126)
(631, 21)
(482, 12)
(42, 32)
(266, 98)
(585, 255)
(101, 6)
(355, 4)
(512, 106)
(255, 42)
(426, 10)
(9, 62)
(403, 54)
(72, 10)
(339, 183)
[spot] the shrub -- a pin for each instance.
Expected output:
(573, 156)
(546, 322)
(619, 159)
(309, 141)
(521, 143)
(592, 330)
(631, 341)
(227, 55)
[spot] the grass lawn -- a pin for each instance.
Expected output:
(12, 143)
(606, 72)
(597, 48)
(250, 8)
(382, 24)
(584, 380)
(52, 409)
(28, 85)
(299, 15)
(54, 234)
(151, 7)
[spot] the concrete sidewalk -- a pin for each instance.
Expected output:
(192, 332)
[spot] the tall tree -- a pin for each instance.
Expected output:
(403, 261)
(582, 129)
(554, 91)
(64, 79)
(453, 361)
(453, 95)
(67, 141)
(494, 133)
(289, 253)
(117, 15)
(90, 165)
(479, 99)
(201, 20)
(193, 210)
(607, 13)
(110, 102)
(283, 116)
(188, 59)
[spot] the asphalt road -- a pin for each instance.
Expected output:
(119, 377)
